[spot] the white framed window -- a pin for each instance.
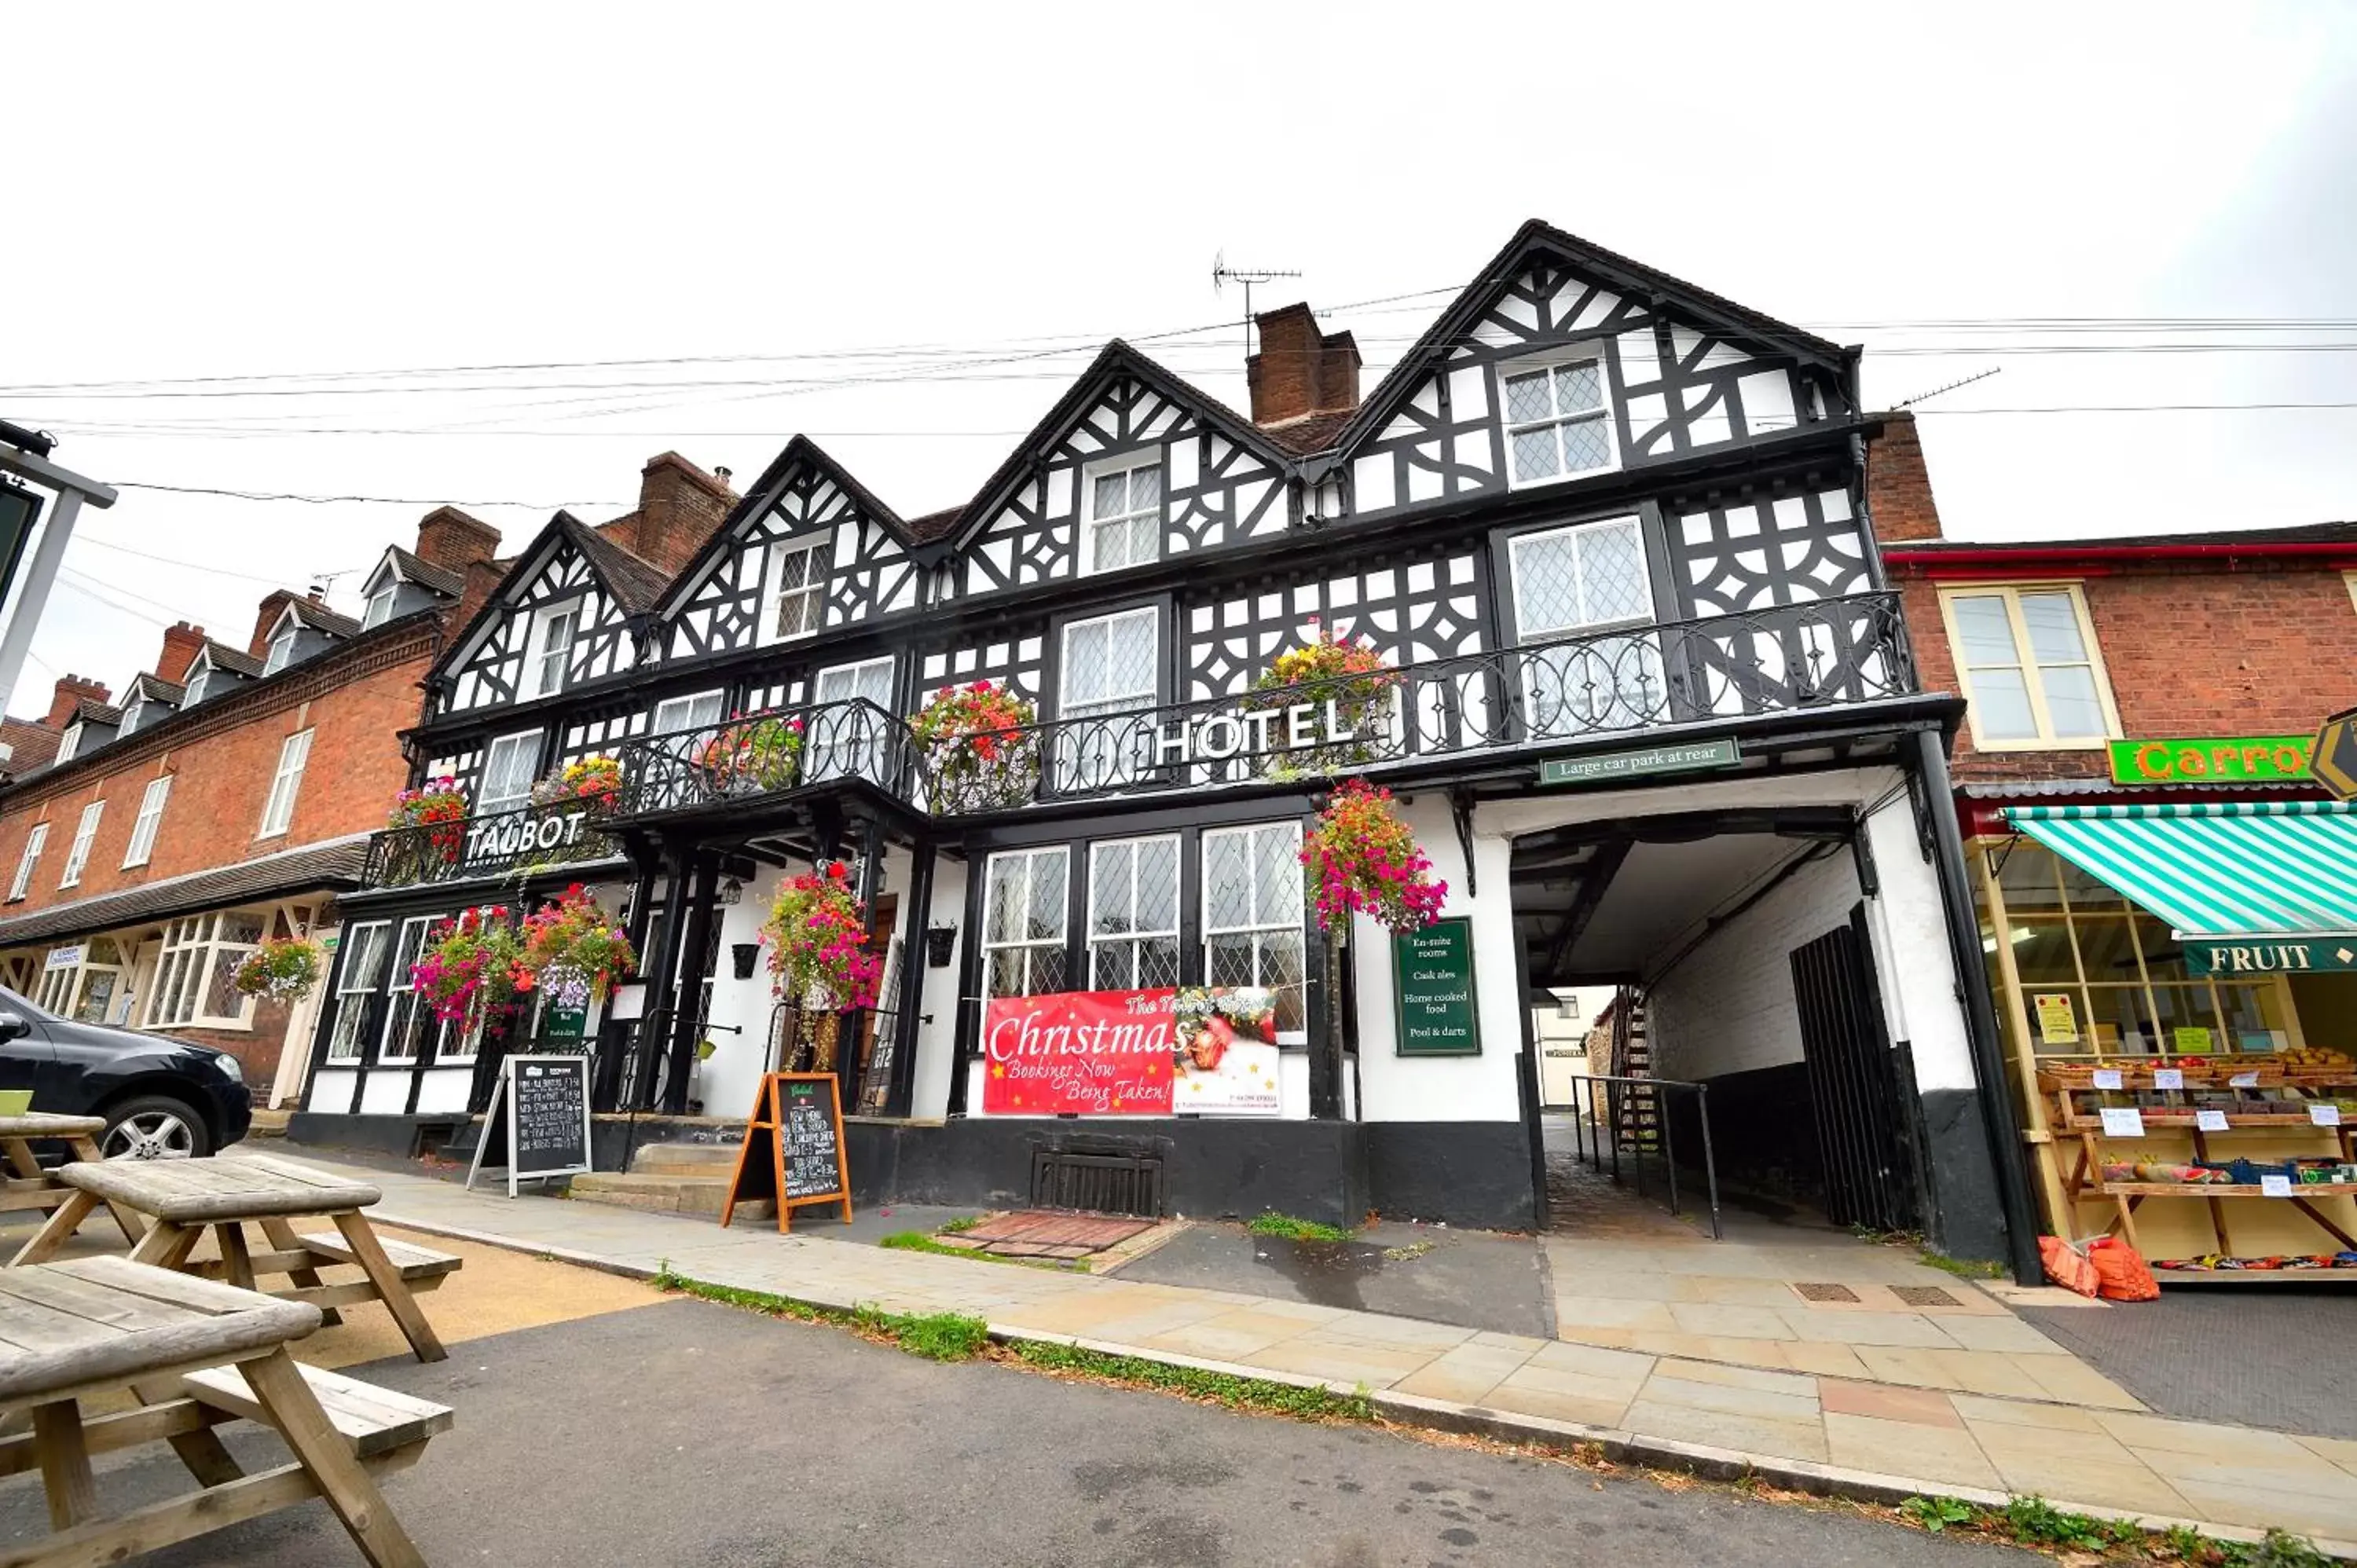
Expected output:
(674, 714)
(68, 742)
(282, 647)
(1559, 419)
(365, 949)
(1025, 905)
(197, 680)
(379, 607)
(150, 818)
(1573, 583)
(551, 649)
(1133, 914)
(509, 769)
(1106, 665)
(87, 988)
(35, 842)
(78, 853)
(797, 587)
(408, 1016)
(1123, 525)
(279, 810)
(1253, 908)
(844, 739)
(196, 975)
(2032, 675)
(133, 711)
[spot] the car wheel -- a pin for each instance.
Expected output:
(154, 1127)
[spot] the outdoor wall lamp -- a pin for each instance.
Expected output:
(941, 942)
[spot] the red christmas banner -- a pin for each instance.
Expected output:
(1100, 1053)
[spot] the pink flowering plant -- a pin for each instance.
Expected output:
(593, 782)
(980, 749)
(753, 754)
(1348, 683)
(280, 970)
(574, 950)
(1363, 858)
(816, 935)
(471, 966)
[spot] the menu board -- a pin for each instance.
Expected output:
(1433, 969)
(537, 1125)
(813, 1159)
(792, 1154)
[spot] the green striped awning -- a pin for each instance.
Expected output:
(2272, 868)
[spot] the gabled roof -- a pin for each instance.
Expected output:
(319, 618)
(221, 656)
(413, 567)
(90, 710)
(1536, 239)
(633, 582)
(1117, 358)
(763, 493)
(153, 689)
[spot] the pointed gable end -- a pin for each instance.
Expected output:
(562, 616)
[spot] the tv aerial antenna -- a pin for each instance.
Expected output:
(1224, 275)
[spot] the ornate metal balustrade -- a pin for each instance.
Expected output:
(765, 754)
(496, 846)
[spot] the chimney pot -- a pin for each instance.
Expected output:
(69, 692)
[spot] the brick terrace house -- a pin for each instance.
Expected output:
(2133, 783)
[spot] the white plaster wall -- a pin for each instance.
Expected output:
(939, 1008)
(1729, 1005)
(444, 1090)
(1917, 966)
(727, 1083)
(385, 1094)
(331, 1092)
(1444, 1089)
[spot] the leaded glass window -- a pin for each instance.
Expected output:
(1253, 909)
(1133, 914)
(1125, 526)
(1557, 424)
(1025, 905)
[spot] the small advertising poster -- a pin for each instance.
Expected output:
(1225, 1063)
(1094, 1053)
(2058, 1021)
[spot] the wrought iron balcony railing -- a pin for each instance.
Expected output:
(493, 845)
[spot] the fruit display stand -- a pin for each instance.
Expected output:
(2286, 1098)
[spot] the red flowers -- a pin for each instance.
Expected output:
(1363, 858)
(980, 745)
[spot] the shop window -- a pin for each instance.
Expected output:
(150, 818)
(79, 981)
(78, 853)
(1577, 583)
(509, 769)
(1133, 914)
(1558, 422)
(365, 949)
(2027, 660)
(1124, 522)
(798, 590)
(196, 976)
(278, 810)
(1026, 904)
(28, 860)
(1253, 915)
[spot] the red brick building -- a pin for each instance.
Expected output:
(2133, 781)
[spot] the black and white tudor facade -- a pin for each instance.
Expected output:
(1656, 724)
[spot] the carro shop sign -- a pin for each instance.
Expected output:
(2213, 760)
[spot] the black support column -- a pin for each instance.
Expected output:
(697, 925)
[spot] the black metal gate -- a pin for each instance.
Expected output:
(1853, 1085)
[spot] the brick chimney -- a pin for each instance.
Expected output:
(1300, 370)
(680, 505)
(71, 690)
(273, 604)
(181, 644)
(448, 537)
(483, 578)
(1898, 485)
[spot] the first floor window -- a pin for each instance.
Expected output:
(85, 830)
(508, 771)
(1570, 584)
(1110, 668)
(1133, 914)
(28, 860)
(847, 729)
(279, 810)
(150, 818)
(1025, 905)
(674, 714)
(365, 950)
(2026, 660)
(196, 976)
(1557, 424)
(1124, 522)
(1253, 909)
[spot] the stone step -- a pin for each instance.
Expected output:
(685, 1159)
(666, 1194)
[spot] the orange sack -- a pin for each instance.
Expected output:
(2122, 1270)
(2067, 1266)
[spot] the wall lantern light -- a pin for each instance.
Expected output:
(941, 943)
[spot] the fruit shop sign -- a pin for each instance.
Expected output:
(1097, 1053)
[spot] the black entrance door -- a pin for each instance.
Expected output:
(1854, 1084)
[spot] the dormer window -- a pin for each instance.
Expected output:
(379, 607)
(282, 649)
(132, 713)
(1124, 526)
(1558, 421)
(197, 684)
(68, 742)
(801, 591)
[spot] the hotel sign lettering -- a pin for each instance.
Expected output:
(2229, 956)
(1237, 731)
(497, 838)
(2212, 759)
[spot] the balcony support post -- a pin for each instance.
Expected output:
(685, 1016)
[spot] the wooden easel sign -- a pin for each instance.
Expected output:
(547, 1130)
(794, 1147)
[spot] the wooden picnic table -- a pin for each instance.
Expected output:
(199, 1353)
(185, 1197)
(30, 1186)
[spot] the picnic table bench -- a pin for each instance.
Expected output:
(200, 1354)
(30, 1186)
(185, 1197)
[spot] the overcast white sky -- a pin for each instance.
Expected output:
(758, 190)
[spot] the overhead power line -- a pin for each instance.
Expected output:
(372, 500)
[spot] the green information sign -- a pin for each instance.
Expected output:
(563, 1023)
(2212, 759)
(2233, 956)
(1693, 758)
(1434, 972)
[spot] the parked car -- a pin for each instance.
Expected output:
(163, 1099)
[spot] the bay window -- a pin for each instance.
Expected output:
(1132, 897)
(196, 976)
(366, 947)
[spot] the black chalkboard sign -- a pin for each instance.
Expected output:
(794, 1147)
(545, 1129)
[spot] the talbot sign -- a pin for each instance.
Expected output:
(497, 838)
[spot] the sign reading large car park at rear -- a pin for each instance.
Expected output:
(2212, 759)
(1692, 758)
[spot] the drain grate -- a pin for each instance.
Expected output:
(1819, 1291)
(1924, 1296)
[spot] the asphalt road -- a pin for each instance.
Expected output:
(685, 1433)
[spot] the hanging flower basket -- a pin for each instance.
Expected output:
(1347, 684)
(753, 756)
(437, 805)
(1363, 858)
(281, 970)
(574, 952)
(471, 966)
(594, 781)
(981, 752)
(817, 934)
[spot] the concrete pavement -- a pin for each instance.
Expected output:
(1874, 1438)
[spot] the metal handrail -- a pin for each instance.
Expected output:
(527, 837)
(1618, 1086)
